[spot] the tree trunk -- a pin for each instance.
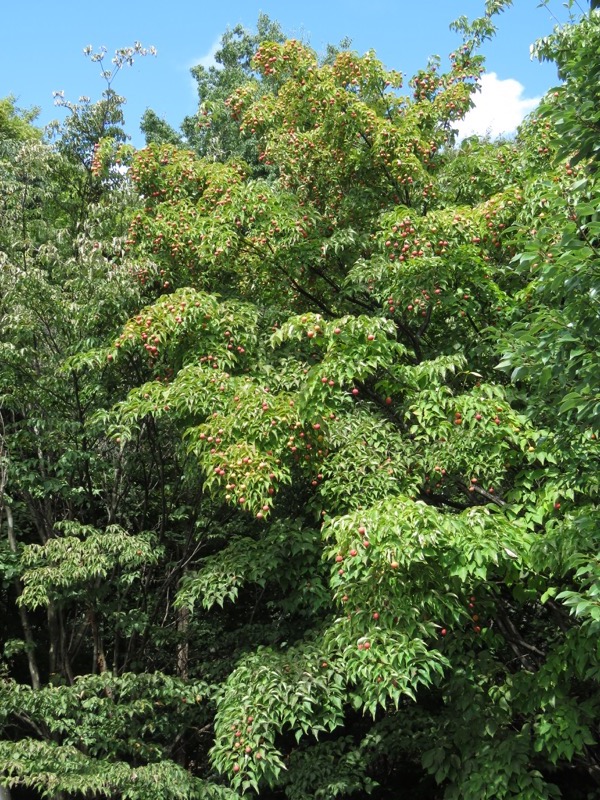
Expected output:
(183, 646)
(27, 632)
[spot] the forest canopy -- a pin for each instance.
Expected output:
(299, 417)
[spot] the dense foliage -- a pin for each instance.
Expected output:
(299, 416)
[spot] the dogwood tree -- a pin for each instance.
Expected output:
(327, 519)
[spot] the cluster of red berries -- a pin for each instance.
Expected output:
(474, 617)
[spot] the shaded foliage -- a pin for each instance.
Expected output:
(299, 438)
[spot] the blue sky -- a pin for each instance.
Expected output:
(41, 46)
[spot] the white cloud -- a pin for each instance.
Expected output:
(208, 59)
(499, 108)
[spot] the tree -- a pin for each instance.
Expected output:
(212, 133)
(315, 542)
(65, 283)
(15, 124)
(157, 131)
